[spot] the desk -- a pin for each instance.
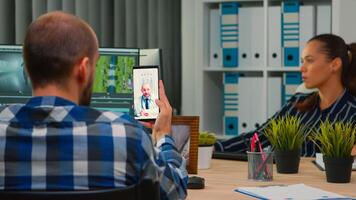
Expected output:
(224, 176)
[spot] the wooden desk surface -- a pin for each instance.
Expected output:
(224, 176)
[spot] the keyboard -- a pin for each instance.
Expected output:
(230, 156)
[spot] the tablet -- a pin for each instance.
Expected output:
(145, 86)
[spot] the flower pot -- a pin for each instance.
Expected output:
(204, 156)
(287, 162)
(338, 170)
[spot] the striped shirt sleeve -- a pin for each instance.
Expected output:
(169, 167)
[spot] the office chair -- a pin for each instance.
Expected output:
(146, 189)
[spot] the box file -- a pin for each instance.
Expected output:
(231, 103)
(323, 19)
(274, 36)
(215, 47)
(307, 27)
(274, 95)
(290, 33)
(251, 110)
(291, 81)
(256, 36)
(245, 47)
(229, 33)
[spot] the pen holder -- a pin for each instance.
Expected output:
(260, 166)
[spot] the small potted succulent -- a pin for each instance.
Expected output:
(286, 135)
(335, 141)
(205, 149)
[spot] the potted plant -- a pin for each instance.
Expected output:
(335, 141)
(286, 135)
(205, 150)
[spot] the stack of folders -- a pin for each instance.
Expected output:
(236, 41)
(231, 103)
(320, 163)
(283, 192)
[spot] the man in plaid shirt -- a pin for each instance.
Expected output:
(56, 142)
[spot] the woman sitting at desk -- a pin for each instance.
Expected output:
(329, 65)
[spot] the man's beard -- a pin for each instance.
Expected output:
(85, 98)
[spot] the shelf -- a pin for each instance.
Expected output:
(219, 1)
(237, 69)
(283, 69)
(203, 80)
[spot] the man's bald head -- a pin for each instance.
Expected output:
(53, 44)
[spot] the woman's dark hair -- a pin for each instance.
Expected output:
(333, 46)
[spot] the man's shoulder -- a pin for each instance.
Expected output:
(7, 112)
(103, 116)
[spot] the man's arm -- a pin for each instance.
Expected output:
(172, 175)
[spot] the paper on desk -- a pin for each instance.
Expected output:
(290, 192)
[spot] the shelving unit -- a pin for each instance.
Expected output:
(202, 89)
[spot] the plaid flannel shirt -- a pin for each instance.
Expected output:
(51, 143)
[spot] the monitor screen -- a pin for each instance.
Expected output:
(150, 57)
(13, 79)
(113, 72)
(112, 86)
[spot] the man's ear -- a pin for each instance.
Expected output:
(82, 70)
(336, 64)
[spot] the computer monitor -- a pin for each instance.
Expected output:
(113, 83)
(15, 87)
(150, 57)
(112, 87)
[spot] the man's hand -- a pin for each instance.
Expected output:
(162, 125)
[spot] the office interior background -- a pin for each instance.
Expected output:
(188, 32)
(240, 59)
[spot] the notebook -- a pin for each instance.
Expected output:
(290, 192)
(320, 163)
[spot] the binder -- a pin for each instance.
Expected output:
(290, 33)
(215, 49)
(291, 81)
(257, 36)
(245, 52)
(274, 95)
(231, 103)
(274, 36)
(307, 28)
(323, 19)
(229, 33)
(250, 111)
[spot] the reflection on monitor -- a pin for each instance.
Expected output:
(13, 79)
(113, 73)
(150, 57)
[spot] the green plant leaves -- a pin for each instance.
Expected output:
(206, 138)
(335, 139)
(285, 133)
